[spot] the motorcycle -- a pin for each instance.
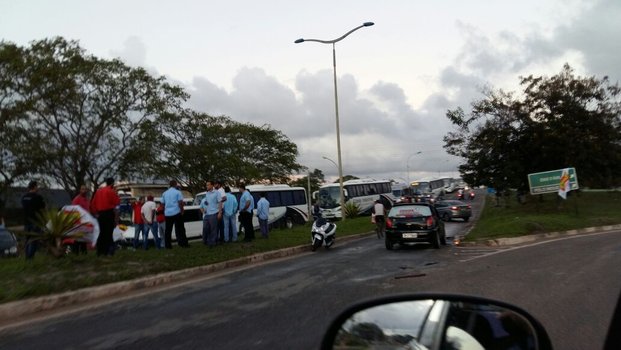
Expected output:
(322, 232)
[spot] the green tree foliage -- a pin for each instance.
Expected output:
(194, 147)
(80, 114)
(555, 122)
(346, 178)
(317, 178)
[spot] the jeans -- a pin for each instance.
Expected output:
(210, 229)
(139, 229)
(161, 228)
(264, 226)
(230, 226)
(32, 243)
(156, 237)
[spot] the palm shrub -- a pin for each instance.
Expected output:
(56, 225)
(351, 210)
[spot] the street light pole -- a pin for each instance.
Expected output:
(336, 105)
(408, 165)
(328, 159)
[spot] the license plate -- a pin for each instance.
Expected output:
(409, 235)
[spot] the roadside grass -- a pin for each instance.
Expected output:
(47, 275)
(548, 213)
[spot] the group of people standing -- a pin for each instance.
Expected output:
(219, 208)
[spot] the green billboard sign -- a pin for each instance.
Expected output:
(549, 181)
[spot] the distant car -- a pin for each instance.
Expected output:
(8, 243)
(453, 209)
(414, 223)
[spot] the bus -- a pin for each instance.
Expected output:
(401, 191)
(429, 189)
(362, 192)
(288, 206)
(450, 184)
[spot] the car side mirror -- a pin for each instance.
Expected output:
(435, 321)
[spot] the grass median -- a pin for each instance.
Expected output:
(546, 213)
(47, 275)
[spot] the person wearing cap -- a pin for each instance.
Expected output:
(33, 204)
(105, 206)
(148, 212)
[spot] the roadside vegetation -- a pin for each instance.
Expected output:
(546, 213)
(46, 274)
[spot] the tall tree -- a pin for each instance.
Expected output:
(194, 147)
(83, 112)
(556, 122)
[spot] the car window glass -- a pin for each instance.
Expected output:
(410, 211)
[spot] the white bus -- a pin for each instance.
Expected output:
(288, 206)
(428, 188)
(362, 192)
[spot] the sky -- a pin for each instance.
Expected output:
(396, 79)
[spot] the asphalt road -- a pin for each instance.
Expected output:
(570, 285)
(566, 284)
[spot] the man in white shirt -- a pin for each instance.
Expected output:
(150, 224)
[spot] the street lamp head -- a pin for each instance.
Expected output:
(300, 40)
(368, 24)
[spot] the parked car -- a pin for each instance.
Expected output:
(414, 223)
(453, 209)
(8, 242)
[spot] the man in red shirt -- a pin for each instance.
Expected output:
(105, 206)
(139, 228)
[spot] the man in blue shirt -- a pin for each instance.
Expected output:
(263, 213)
(246, 205)
(211, 207)
(173, 211)
(229, 211)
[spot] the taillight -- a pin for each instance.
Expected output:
(430, 221)
(388, 223)
(469, 207)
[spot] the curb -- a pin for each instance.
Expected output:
(20, 308)
(540, 236)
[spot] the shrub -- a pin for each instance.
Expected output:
(351, 210)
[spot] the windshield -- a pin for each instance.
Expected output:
(329, 197)
(420, 188)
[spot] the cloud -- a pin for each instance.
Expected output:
(380, 130)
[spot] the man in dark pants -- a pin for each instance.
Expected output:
(219, 188)
(105, 207)
(246, 205)
(33, 204)
(172, 199)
